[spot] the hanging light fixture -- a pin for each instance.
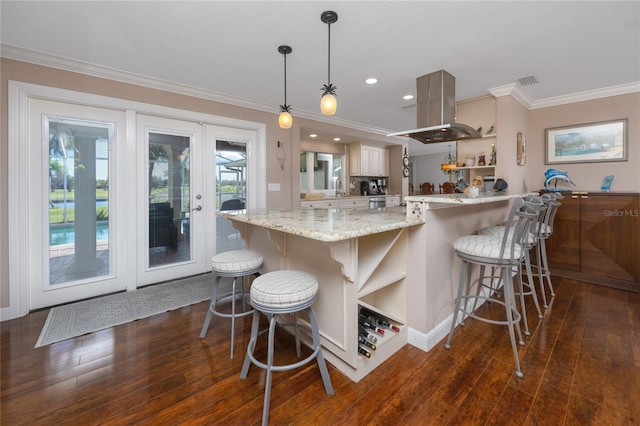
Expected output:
(328, 104)
(448, 165)
(284, 119)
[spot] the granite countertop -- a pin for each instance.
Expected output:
(327, 224)
(459, 198)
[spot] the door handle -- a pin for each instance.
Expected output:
(197, 209)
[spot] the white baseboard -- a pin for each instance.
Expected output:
(426, 341)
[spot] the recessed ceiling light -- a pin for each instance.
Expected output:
(407, 97)
(371, 80)
(336, 139)
(313, 135)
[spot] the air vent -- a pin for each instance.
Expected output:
(526, 81)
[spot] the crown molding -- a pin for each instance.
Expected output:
(605, 92)
(519, 94)
(71, 65)
(514, 91)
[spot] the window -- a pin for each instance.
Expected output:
(321, 172)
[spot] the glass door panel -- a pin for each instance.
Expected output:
(78, 207)
(231, 190)
(169, 189)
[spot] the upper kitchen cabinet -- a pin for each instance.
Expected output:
(479, 113)
(365, 160)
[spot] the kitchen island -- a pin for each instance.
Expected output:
(360, 260)
(434, 268)
(397, 261)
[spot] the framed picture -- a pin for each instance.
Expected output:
(587, 143)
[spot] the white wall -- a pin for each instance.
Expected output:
(426, 168)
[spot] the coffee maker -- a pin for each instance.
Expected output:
(364, 188)
(373, 187)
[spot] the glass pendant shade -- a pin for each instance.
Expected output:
(285, 120)
(328, 104)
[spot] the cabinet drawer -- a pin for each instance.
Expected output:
(393, 201)
(354, 203)
(320, 204)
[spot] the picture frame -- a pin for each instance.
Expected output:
(587, 143)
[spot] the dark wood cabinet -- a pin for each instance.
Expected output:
(596, 238)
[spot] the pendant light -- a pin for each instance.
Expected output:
(448, 166)
(284, 119)
(328, 104)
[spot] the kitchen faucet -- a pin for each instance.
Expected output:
(338, 186)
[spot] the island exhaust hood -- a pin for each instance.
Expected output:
(436, 111)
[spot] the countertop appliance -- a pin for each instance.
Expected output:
(373, 187)
(364, 188)
(377, 202)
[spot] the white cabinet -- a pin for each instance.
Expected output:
(342, 203)
(354, 203)
(393, 200)
(368, 161)
(321, 204)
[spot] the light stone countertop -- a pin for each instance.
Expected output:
(327, 224)
(459, 198)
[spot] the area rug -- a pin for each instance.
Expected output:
(76, 319)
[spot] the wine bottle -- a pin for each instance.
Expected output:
(379, 319)
(364, 352)
(364, 333)
(367, 324)
(365, 342)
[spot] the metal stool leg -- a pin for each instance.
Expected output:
(319, 358)
(545, 265)
(214, 295)
(510, 305)
(252, 344)
(267, 386)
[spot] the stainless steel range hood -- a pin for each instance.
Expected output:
(436, 111)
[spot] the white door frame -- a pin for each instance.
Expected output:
(18, 96)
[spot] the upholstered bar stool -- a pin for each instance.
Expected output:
(274, 294)
(505, 254)
(529, 242)
(236, 264)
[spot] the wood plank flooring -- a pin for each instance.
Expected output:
(581, 366)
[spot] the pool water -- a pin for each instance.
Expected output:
(66, 234)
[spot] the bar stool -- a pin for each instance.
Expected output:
(529, 242)
(543, 232)
(274, 294)
(232, 264)
(504, 253)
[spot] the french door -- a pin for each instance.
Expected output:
(108, 195)
(173, 202)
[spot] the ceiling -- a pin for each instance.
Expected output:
(230, 48)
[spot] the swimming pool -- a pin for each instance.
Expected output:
(66, 233)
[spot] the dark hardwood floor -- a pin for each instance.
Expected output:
(581, 366)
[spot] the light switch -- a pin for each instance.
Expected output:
(274, 187)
